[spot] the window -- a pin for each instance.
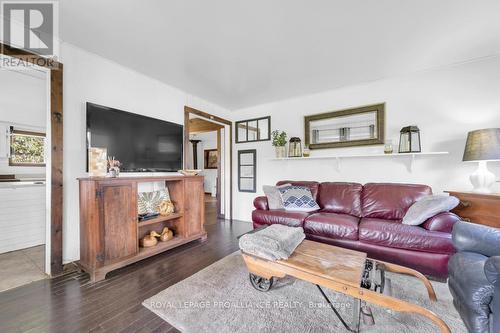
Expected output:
(247, 163)
(252, 130)
(27, 148)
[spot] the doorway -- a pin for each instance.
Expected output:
(207, 147)
(25, 215)
(53, 71)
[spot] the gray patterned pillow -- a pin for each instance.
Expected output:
(149, 202)
(298, 198)
(428, 207)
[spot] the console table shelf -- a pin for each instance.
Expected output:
(162, 246)
(160, 219)
(338, 158)
(110, 232)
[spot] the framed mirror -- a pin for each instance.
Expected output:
(247, 175)
(253, 130)
(360, 126)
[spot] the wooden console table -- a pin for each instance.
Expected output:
(109, 226)
(478, 208)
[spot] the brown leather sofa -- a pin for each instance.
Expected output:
(368, 218)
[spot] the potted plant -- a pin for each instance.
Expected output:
(114, 167)
(279, 141)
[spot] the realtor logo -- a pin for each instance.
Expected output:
(30, 26)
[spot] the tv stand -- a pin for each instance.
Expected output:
(109, 226)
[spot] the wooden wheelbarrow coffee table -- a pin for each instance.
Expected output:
(345, 271)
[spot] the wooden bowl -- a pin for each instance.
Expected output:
(190, 172)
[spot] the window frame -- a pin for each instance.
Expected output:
(27, 133)
(237, 123)
(254, 165)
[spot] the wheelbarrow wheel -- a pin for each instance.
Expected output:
(260, 283)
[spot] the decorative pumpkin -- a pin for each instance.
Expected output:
(166, 207)
(166, 235)
(150, 240)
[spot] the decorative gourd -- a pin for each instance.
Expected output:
(166, 235)
(166, 207)
(150, 240)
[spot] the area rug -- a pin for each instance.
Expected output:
(220, 299)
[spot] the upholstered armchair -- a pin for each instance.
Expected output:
(474, 279)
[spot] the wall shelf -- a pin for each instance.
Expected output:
(337, 158)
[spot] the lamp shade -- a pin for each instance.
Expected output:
(483, 145)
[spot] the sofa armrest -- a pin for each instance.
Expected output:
(492, 270)
(443, 222)
(260, 203)
(476, 238)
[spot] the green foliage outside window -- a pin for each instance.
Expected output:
(27, 149)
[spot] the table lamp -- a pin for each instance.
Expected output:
(482, 146)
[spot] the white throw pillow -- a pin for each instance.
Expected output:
(273, 195)
(428, 207)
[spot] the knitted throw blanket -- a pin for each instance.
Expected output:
(272, 243)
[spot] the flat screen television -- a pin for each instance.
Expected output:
(141, 144)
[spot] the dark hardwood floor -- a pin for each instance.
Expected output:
(70, 304)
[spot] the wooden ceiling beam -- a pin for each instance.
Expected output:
(197, 125)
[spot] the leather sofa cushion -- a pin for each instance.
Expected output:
(472, 293)
(332, 225)
(390, 201)
(394, 234)
(442, 222)
(313, 186)
(342, 198)
(261, 203)
(279, 216)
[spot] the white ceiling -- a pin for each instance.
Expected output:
(239, 53)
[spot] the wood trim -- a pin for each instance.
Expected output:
(26, 164)
(206, 115)
(187, 111)
(56, 135)
(379, 108)
(218, 186)
(199, 125)
(14, 131)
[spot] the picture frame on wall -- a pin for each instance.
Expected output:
(211, 159)
(360, 126)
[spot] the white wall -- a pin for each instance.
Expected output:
(208, 141)
(20, 233)
(23, 104)
(445, 103)
(88, 77)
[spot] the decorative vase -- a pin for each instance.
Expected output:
(114, 172)
(280, 151)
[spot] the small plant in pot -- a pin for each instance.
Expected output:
(279, 142)
(114, 167)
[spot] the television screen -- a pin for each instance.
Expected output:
(140, 143)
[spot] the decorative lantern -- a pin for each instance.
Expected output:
(409, 141)
(295, 147)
